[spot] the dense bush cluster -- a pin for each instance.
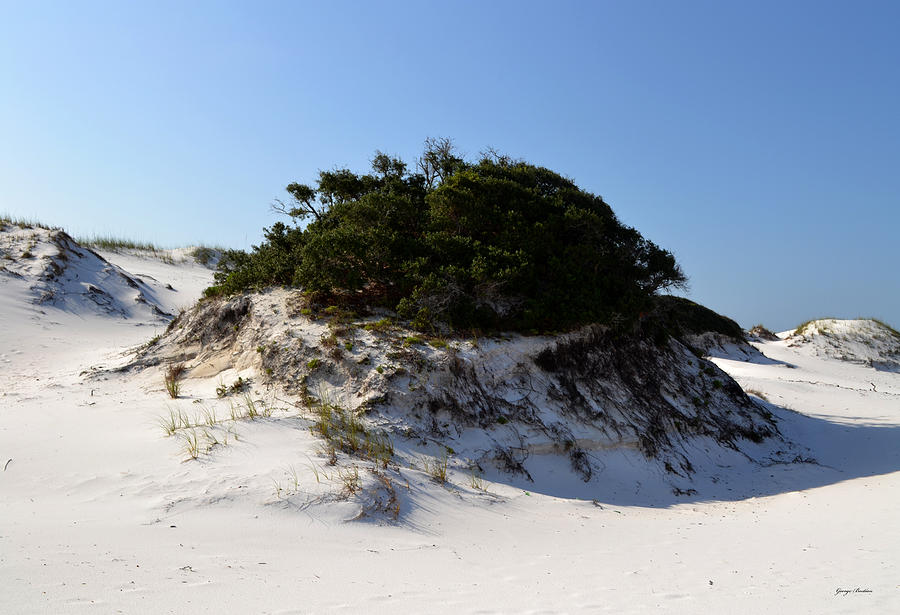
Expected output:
(680, 317)
(494, 244)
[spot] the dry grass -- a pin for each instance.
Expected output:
(437, 468)
(476, 482)
(886, 326)
(172, 378)
(757, 393)
(350, 479)
(108, 242)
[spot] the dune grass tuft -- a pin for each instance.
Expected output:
(437, 468)
(172, 377)
(343, 431)
(110, 242)
(25, 223)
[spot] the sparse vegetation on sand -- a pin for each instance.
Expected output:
(172, 379)
(110, 242)
(205, 255)
(823, 327)
(762, 333)
(24, 223)
(886, 327)
(204, 429)
(202, 254)
(240, 385)
(804, 327)
(343, 430)
(437, 468)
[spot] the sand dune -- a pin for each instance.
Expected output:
(104, 512)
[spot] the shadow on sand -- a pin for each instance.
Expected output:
(815, 452)
(744, 354)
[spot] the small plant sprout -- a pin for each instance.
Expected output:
(210, 439)
(252, 409)
(279, 490)
(173, 421)
(170, 423)
(295, 479)
(191, 443)
(476, 481)
(238, 386)
(318, 472)
(292, 486)
(221, 389)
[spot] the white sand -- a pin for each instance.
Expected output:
(101, 513)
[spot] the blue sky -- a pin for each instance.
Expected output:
(759, 142)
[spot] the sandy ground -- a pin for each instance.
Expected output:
(102, 513)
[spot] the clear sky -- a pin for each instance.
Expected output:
(758, 141)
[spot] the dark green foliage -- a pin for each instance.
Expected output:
(497, 244)
(680, 316)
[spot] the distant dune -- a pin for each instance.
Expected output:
(864, 341)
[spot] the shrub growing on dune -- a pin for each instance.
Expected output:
(498, 243)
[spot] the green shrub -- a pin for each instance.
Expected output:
(379, 326)
(493, 244)
(681, 316)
